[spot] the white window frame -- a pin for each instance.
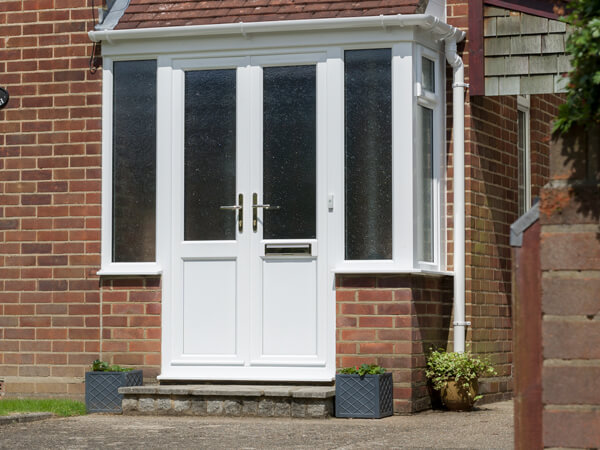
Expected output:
(524, 106)
(408, 45)
(435, 102)
(108, 266)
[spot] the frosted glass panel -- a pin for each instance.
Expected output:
(425, 189)
(289, 146)
(134, 161)
(368, 154)
(210, 120)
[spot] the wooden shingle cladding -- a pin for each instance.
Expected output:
(519, 18)
(167, 13)
(523, 53)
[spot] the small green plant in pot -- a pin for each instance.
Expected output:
(102, 385)
(364, 391)
(456, 376)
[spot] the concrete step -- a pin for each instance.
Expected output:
(230, 400)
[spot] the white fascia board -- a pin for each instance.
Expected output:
(425, 21)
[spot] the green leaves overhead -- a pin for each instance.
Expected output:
(582, 106)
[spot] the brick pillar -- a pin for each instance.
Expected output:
(570, 262)
(392, 321)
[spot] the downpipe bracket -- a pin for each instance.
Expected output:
(462, 85)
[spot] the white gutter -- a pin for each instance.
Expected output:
(458, 130)
(449, 34)
(426, 21)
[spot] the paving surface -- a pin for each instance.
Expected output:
(489, 426)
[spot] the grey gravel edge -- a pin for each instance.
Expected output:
(26, 417)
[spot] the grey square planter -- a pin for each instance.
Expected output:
(102, 389)
(367, 397)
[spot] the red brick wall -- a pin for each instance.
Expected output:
(50, 207)
(392, 321)
(131, 322)
(491, 206)
(544, 109)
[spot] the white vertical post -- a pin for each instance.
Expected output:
(458, 131)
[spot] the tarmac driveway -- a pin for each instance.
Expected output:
(489, 426)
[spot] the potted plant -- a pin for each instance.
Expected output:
(456, 376)
(364, 392)
(102, 386)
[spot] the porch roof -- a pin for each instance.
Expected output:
(169, 13)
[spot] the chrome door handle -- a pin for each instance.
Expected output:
(240, 208)
(255, 207)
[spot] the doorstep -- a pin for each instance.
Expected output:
(294, 401)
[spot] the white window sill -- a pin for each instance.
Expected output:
(389, 270)
(130, 269)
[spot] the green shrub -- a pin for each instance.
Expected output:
(582, 106)
(463, 368)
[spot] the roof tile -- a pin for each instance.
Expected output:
(166, 13)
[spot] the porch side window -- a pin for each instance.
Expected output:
(424, 181)
(368, 154)
(134, 161)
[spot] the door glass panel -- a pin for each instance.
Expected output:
(289, 151)
(368, 154)
(210, 121)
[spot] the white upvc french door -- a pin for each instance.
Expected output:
(248, 285)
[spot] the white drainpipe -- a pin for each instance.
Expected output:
(458, 158)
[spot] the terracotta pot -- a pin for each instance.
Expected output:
(458, 398)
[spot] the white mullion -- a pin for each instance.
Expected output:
(255, 149)
(403, 114)
(107, 160)
(335, 155)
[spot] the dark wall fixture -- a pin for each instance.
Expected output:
(3, 98)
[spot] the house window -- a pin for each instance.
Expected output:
(134, 161)
(368, 154)
(129, 168)
(524, 155)
(426, 169)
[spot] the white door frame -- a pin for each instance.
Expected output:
(176, 365)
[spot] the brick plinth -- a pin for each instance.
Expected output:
(392, 321)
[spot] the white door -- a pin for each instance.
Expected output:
(249, 290)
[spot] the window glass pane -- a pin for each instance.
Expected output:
(425, 186)
(368, 154)
(134, 161)
(210, 120)
(428, 74)
(289, 146)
